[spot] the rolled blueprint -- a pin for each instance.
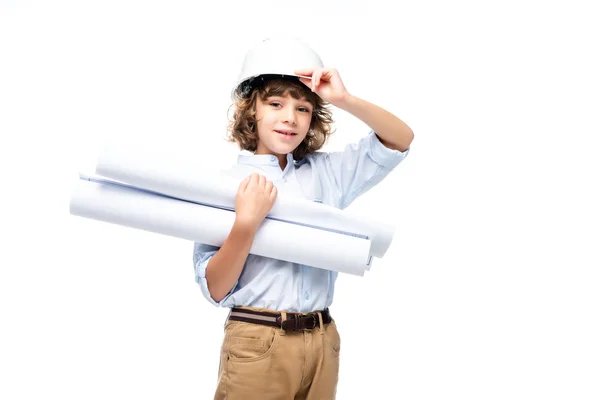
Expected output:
(161, 174)
(124, 205)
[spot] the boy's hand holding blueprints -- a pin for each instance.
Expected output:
(254, 200)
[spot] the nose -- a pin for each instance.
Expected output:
(290, 115)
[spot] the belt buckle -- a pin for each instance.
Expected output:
(314, 318)
(290, 323)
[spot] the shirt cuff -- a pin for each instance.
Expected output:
(382, 155)
(200, 268)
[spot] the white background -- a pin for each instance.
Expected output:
(491, 287)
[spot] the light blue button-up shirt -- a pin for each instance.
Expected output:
(336, 179)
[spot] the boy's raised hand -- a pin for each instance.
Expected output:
(325, 82)
(253, 201)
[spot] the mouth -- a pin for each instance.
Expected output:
(286, 133)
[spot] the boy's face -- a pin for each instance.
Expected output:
(282, 123)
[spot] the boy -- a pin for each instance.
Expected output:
(280, 339)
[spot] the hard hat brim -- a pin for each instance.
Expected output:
(245, 86)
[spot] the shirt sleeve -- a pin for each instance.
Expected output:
(358, 168)
(202, 254)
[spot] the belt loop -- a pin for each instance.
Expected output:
(321, 330)
(227, 319)
(283, 318)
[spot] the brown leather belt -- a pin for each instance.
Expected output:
(293, 321)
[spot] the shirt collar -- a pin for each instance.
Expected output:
(264, 159)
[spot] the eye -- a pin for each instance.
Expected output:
(274, 104)
(304, 109)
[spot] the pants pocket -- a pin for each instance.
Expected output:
(332, 338)
(254, 370)
(250, 342)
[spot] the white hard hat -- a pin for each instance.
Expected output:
(275, 56)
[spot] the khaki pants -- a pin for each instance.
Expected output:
(267, 363)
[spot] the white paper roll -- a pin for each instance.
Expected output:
(127, 206)
(166, 175)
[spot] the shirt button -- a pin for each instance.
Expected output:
(273, 158)
(306, 295)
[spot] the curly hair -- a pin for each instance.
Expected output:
(242, 125)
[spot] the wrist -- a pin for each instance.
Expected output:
(345, 101)
(245, 226)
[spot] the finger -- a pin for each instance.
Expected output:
(328, 74)
(304, 72)
(243, 184)
(253, 180)
(262, 181)
(273, 193)
(268, 186)
(306, 81)
(317, 78)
